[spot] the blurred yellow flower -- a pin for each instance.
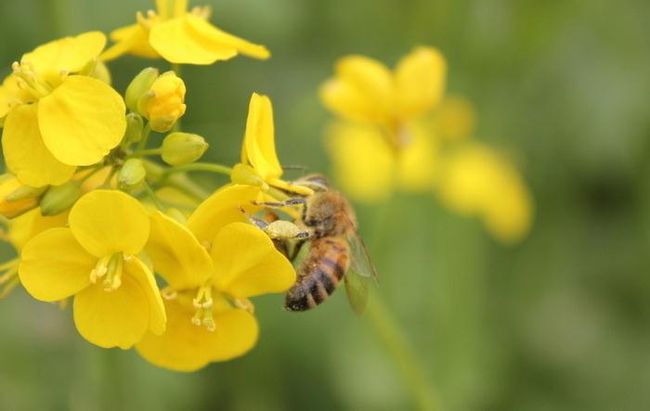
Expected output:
(398, 132)
(381, 144)
(116, 299)
(212, 266)
(365, 90)
(56, 119)
(259, 162)
(368, 168)
(477, 181)
(179, 36)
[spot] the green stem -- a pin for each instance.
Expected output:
(146, 152)
(393, 337)
(209, 167)
(109, 177)
(154, 198)
(402, 354)
(146, 132)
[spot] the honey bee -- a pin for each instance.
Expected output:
(336, 252)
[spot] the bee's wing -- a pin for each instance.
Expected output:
(359, 275)
(356, 288)
(360, 259)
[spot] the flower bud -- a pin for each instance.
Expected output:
(164, 103)
(134, 127)
(139, 86)
(131, 174)
(15, 198)
(246, 175)
(60, 198)
(183, 148)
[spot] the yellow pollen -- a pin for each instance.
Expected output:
(28, 80)
(109, 268)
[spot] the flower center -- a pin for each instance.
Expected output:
(29, 82)
(109, 268)
(203, 303)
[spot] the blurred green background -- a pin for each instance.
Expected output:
(560, 321)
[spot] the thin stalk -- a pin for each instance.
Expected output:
(146, 132)
(154, 198)
(208, 167)
(397, 345)
(146, 152)
(394, 338)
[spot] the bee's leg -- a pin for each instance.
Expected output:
(293, 201)
(279, 229)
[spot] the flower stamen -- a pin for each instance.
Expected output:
(28, 80)
(203, 303)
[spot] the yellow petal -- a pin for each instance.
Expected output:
(54, 266)
(420, 79)
(116, 318)
(247, 263)
(364, 164)
(221, 208)
(27, 226)
(509, 218)
(478, 181)
(455, 119)
(12, 94)
(417, 160)
(176, 254)
(186, 347)
(178, 41)
(133, 39)
(218, 38)
(81, 120)
(138, 271)
(259, 142)
(361, 91)
(68, 55)
(25, 152)
(109, 221)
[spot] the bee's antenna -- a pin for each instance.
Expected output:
(295, 167)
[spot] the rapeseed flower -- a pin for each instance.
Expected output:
(95, 259)
(259, 164)
(212, 265)
(56, 116)
(397, 131)
(180, 36)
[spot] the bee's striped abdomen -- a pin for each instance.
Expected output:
(319, 274)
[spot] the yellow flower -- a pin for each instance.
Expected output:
(164, 103)
(382, 145)
(212, 266)
(369, 169)
(259, 162)
(476, 181)
(367, 91)
(95, 259)
(56, 118)
(179, 36)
